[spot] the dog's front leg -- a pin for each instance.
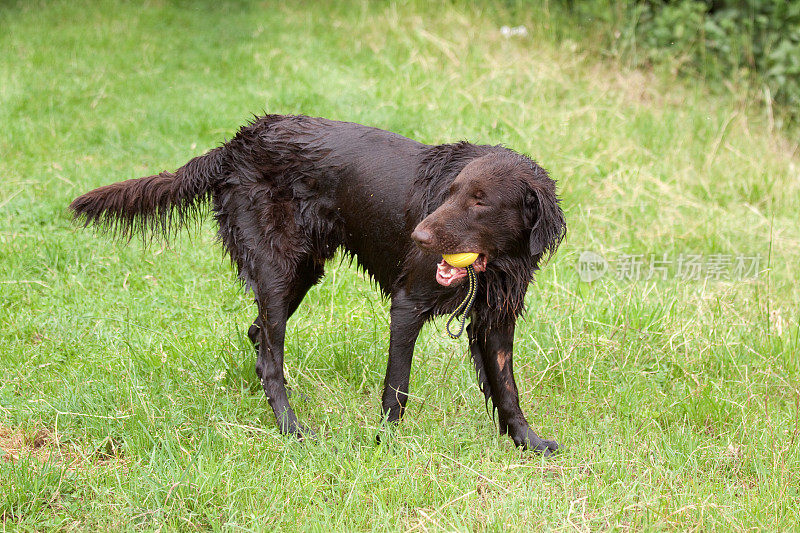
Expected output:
(483, 381)
(494, 344)
(406, 323)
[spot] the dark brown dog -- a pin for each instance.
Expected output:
(287, 191)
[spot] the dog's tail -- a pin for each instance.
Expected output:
(161, 204)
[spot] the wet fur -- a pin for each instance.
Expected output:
(288, 191)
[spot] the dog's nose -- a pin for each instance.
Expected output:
(422, 237)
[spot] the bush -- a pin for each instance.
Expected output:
(756, 40)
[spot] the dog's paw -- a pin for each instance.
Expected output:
(290, 426)
(529, 440)
(546, 447)
(304, 433)
(386, 431)
(384, 436)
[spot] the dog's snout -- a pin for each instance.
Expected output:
(422, 237)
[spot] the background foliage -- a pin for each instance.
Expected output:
(128, 398)
(748, 46)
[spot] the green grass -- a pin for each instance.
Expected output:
(127, 387)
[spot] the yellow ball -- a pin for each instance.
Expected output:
(460, 260)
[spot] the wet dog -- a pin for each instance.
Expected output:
(288, 191)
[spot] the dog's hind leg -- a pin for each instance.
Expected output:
(278, 296)
(309, 275)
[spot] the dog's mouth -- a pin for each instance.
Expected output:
(447, 274)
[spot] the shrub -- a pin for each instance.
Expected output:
(754, 40)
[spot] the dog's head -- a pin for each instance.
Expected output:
(501, 205)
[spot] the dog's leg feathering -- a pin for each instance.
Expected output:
(483, 381)
(495, 345)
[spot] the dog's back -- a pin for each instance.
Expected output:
(306, 185)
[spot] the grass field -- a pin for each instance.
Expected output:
(128, 398)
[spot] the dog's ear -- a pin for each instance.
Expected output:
(544, 217)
